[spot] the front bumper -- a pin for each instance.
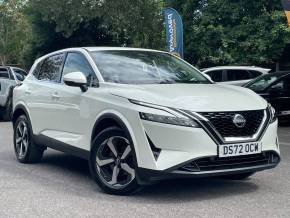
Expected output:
(178, 146)
(212, 167)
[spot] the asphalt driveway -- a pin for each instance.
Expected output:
(60, 186)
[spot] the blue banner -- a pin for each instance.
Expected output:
(174, 31)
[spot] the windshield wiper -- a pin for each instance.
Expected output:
(185, 82)
(166, 82)
(194, 82)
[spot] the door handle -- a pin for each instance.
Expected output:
(27, 92)
(55, 96)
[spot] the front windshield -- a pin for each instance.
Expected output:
(261, 83)
(145, 67)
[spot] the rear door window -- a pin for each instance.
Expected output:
(51, 68)
(4, 74)
(235, 75)
(37, 69)
(216, 75)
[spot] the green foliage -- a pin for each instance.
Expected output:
(220, 32)
(59, 24)
(217, 32)
(14, 31)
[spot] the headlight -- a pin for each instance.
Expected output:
(174, 117)
(273, 114)
(178, 121)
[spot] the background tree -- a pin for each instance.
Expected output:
(216, 32)
(13, 31)
(58, 24)
(221, 32)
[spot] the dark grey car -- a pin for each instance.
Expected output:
(9, 78)
(275, 88)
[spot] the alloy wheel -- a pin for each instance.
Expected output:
(114, 162)
(21, 139)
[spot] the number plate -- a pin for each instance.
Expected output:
(240, 149)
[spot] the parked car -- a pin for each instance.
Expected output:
(235, 75)
(139, 116)
(9, 78)
(275, 88)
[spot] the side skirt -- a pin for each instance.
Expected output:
(60, 146)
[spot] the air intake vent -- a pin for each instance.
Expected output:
(155, 151)
(216, 163)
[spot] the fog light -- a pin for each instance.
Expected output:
(274, 158)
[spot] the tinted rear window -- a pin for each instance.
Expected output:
(51, 68)
(234, 75)
(216, 75)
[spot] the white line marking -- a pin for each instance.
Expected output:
(284, 143)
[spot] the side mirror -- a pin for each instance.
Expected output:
(76, 79)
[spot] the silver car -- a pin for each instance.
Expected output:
(9, 78)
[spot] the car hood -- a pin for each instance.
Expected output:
(194, 97)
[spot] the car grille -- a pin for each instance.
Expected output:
(223, 123)
(216, 163)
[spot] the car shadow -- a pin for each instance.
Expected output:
(4, 121)
(61, 172)
(284, 124)
(66, 162)
(195, 190)
(172, 191)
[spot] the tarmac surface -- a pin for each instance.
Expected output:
(60, 186)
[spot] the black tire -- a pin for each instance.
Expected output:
(7, 113)
(31, 152)
(241, 176)
(98, 146)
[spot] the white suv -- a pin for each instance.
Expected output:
(235, 75)
(139, 116)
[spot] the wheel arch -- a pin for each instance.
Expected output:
(18, 111)
(107, 120)
(120, 121)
